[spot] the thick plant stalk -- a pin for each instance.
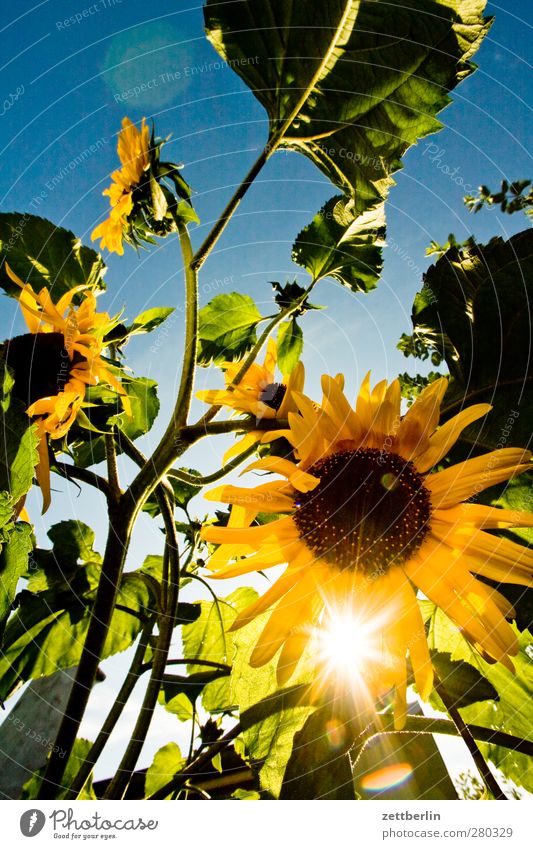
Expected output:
(121, 515)
(135, 671)
(166, 622)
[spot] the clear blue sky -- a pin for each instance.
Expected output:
(67, 80)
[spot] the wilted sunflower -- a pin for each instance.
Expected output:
(55, 362)
(258, 394)
(367, 523)
(133, 150)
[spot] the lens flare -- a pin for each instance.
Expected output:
(388, 776)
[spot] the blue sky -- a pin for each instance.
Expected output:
(67, 75)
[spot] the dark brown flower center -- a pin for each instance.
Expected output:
(369, 512)
(40, 363)
(273, 395)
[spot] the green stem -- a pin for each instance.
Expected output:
(428, 725)
(466, 733)
(212, 238)
(192, 661)
(112, 470)
(166, 622)
(74, 473)
(135, 671)
(204, 480)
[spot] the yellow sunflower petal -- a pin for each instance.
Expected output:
(466, 479)
(447, 435)
(302, 481)
(291, 653)
(480, 516)
(421, 420)
(294, 609)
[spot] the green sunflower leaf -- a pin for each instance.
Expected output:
(42, 254)
(87, 447)
(149, 319)
(19, 441)
(48, 629)
(227, 328)
(511, 713)
(374, 78)
(14, 558)
(474, 311)
(270, 717)
(462, 681)
(209, 639)
(344, 244)
(290, 345)
(166, 763)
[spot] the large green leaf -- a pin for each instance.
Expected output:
(42, 254)
(511, 712)
(13, 564)
(18, 452)
(208, 639)
(350, 84)
(227, 328)
(269, 717)
(340, 243)
(474, 309)
(48, 630)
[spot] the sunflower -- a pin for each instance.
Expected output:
(258, 394)
(367, 523)
(134, 153)
(55, 362)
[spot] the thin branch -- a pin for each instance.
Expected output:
(192, 661)
(428, 725)
(75, 473)
(466, 733)
(203, 480)
(212, 238)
